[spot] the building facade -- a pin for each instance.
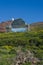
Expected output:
(17, 25)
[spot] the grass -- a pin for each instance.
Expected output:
(11, 42)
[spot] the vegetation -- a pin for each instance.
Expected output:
(11, 42)
(38, 26)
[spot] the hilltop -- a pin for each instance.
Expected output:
(36, 26)
(7, 26)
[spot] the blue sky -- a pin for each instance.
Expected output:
(30, 10)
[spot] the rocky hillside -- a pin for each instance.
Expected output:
(25, 48)
(24, 57)
(36, 26)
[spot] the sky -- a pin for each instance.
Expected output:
(29, 10)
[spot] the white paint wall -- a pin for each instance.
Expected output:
(19, 29)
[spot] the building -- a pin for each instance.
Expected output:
(4, 26)
(17, 25)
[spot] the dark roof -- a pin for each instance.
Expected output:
(18, 23)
